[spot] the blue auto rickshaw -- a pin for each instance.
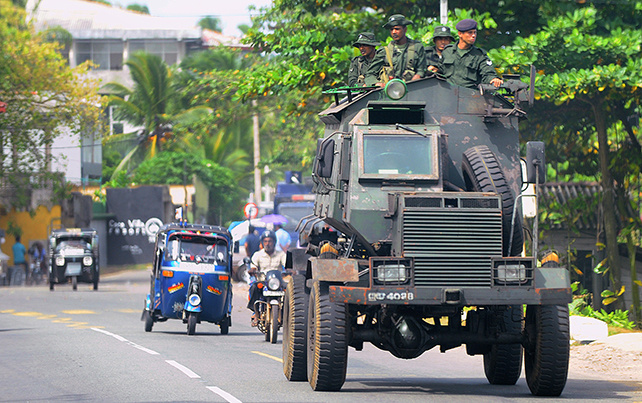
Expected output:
(191, 277)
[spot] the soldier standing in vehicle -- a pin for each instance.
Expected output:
(465, 64)
(402, 58)
(367, 45)
(441, 38)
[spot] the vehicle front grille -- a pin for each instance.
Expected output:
(452, 245)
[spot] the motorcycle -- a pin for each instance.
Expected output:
(269, 307)
(36, 274)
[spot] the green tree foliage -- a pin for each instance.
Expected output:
(143, 9)
(211, 23)
(45, 98)
(590, 68)
(172, 168)
(152, 104)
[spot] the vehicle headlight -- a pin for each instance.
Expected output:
(87, 260)
(396, 89)
(392, 273)
(274, 283)
(511, 273)
(60, 260)
(194, 299)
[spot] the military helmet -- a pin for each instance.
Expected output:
(397, 19)
(442, 32)
(366, 38)
(268, 234)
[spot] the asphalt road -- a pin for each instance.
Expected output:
(91, 346)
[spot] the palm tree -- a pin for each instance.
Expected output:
(150, 104)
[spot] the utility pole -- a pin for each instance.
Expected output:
(443, 12)
(257, 154)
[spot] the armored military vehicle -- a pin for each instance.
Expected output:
(416, 239)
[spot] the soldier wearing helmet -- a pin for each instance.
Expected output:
(367, 46)
(441, 38)
(264, 260)
(403, 58)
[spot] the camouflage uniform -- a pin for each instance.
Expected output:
(402, 67)
(467, 68)
(407, 59)
(360, 64)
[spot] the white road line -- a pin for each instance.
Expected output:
(223, 394)
(121, 338)
(183, 369)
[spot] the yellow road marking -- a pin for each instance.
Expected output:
(62, 320)
(7, 311)
(78, 312)
(27, 314)
(269, 356)
(128, 310)
(46, 317)
(74, 324)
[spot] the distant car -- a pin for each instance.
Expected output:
(73, 256)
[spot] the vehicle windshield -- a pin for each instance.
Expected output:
(294, 212)
(396, 155)
(188, 248)
(73, 246)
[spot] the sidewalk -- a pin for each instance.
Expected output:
(595, 332)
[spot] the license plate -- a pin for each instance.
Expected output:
(268, 293)
(73, 269)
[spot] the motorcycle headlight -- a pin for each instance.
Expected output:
(274, 284)
(194, 299)
(87, 260)
(60, 261)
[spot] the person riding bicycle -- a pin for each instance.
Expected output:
(264, 260)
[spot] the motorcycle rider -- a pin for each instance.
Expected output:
(264, 260)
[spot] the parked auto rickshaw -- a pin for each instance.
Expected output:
(191, 277)
(73, 256)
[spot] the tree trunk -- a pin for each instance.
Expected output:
(635, 289)
(608, 201)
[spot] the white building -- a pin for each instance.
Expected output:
(107, 35)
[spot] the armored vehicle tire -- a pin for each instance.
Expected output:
(149, 321)
(225, 325)
(74, 283)
(327, 341)
(295, 322)
(503, 363)
(546, 356)
(95, 277)
(483, 173)
(274, 324)
(191, 324)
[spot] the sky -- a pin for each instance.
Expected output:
(231, 12)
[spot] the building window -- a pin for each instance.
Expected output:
(166, 50)
(108, 55)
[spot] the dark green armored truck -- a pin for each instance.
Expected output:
(416, 239)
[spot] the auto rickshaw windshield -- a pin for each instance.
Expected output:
(189, 248)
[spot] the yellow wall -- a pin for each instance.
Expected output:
(33, 228)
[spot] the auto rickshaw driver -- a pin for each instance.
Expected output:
(264, 260)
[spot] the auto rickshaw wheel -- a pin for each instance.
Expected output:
(95, 279)
(225, 325)
(149, 321)
(74, 283)
(191, 324)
